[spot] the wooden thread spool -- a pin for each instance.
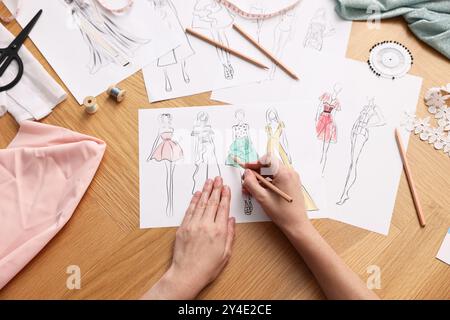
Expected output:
(116, 93)
(90, 105)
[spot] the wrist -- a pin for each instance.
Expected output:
(300, 229)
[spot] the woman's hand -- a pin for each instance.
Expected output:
(286, 215)
(202, 246)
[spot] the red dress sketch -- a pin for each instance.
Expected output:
(167, 151)
(326, 129)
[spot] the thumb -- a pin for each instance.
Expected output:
(252, 185)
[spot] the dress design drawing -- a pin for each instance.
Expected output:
(242, 148)
(205, 159)
(318, 30)
(106, 40)
(177, 56)
(326, 128)
(277, 145)
(369, 117)
(282, 34)
(168, 151)
(211, 16)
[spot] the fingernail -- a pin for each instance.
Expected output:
(217, 181)
(246, 172)
(208, 182)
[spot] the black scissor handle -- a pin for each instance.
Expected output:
(19, 72)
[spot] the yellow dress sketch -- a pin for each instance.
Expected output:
(274, 145)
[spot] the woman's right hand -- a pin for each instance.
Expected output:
(284, 214)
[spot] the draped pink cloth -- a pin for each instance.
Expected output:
(44, 173)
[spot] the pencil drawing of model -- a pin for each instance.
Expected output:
(369, 117)
(318, 29)
(242, 148)
(326, 128)
(211, 16)
(277, 145)
(166, 150)
(107, 41)
(179, 55)
(205, 159)
(258, 8)
(282, 34)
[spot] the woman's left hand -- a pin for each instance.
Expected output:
(202, 247)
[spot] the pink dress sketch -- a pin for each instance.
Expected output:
(166, 150)
(326, 129)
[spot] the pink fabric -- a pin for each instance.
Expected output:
(44, 173)
(168, 149)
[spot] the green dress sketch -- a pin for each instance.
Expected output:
(243, 149)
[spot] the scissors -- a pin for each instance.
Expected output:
(10, 54)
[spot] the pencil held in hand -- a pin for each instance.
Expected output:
(265, 182)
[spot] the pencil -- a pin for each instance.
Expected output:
(228, 49)
(266, 52)
(265, 182)
(410, 179)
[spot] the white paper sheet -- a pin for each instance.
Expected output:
(316, 29)
(184, 133)
(444, 251)
(196, 66)
(88, 47)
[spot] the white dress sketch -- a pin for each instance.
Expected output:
(106, 40)
(258, 8)
(179, 55)
(242, 148)
(277, 145)
(326, 128)
(166, 150)
(211, 16)
(205, 159)
(282, 34)
(369, 117)
(318, 29)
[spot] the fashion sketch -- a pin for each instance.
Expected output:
(326, 128)
(369, 117)
(165, 149)
(318, 29)
(205, 159)
(242, 148)
(258, 8)
(277, 145)
(215, 19)
(282, 34)
(179, 55)
(106, 40)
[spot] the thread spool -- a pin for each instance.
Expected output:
(90, 105)
(116, 93)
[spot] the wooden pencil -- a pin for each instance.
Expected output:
(265, 182)
(410, 179)
(223, 47)
(265, 52)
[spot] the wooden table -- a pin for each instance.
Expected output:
(118, 260)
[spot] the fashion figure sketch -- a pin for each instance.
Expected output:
(106, 40)
(212, 17)
(205, 159)
(326, 128)
(282, 34)
(242, 148)
(369, 117)
(168, 151)
(318, 30)
(179, 55)
(277, 145)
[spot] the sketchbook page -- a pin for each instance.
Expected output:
(444, 251)
(91, 49)
(195, 66)
(299, 37)
(179, 148)
(357, 113)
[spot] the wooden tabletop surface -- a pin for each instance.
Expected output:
(118, 260)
